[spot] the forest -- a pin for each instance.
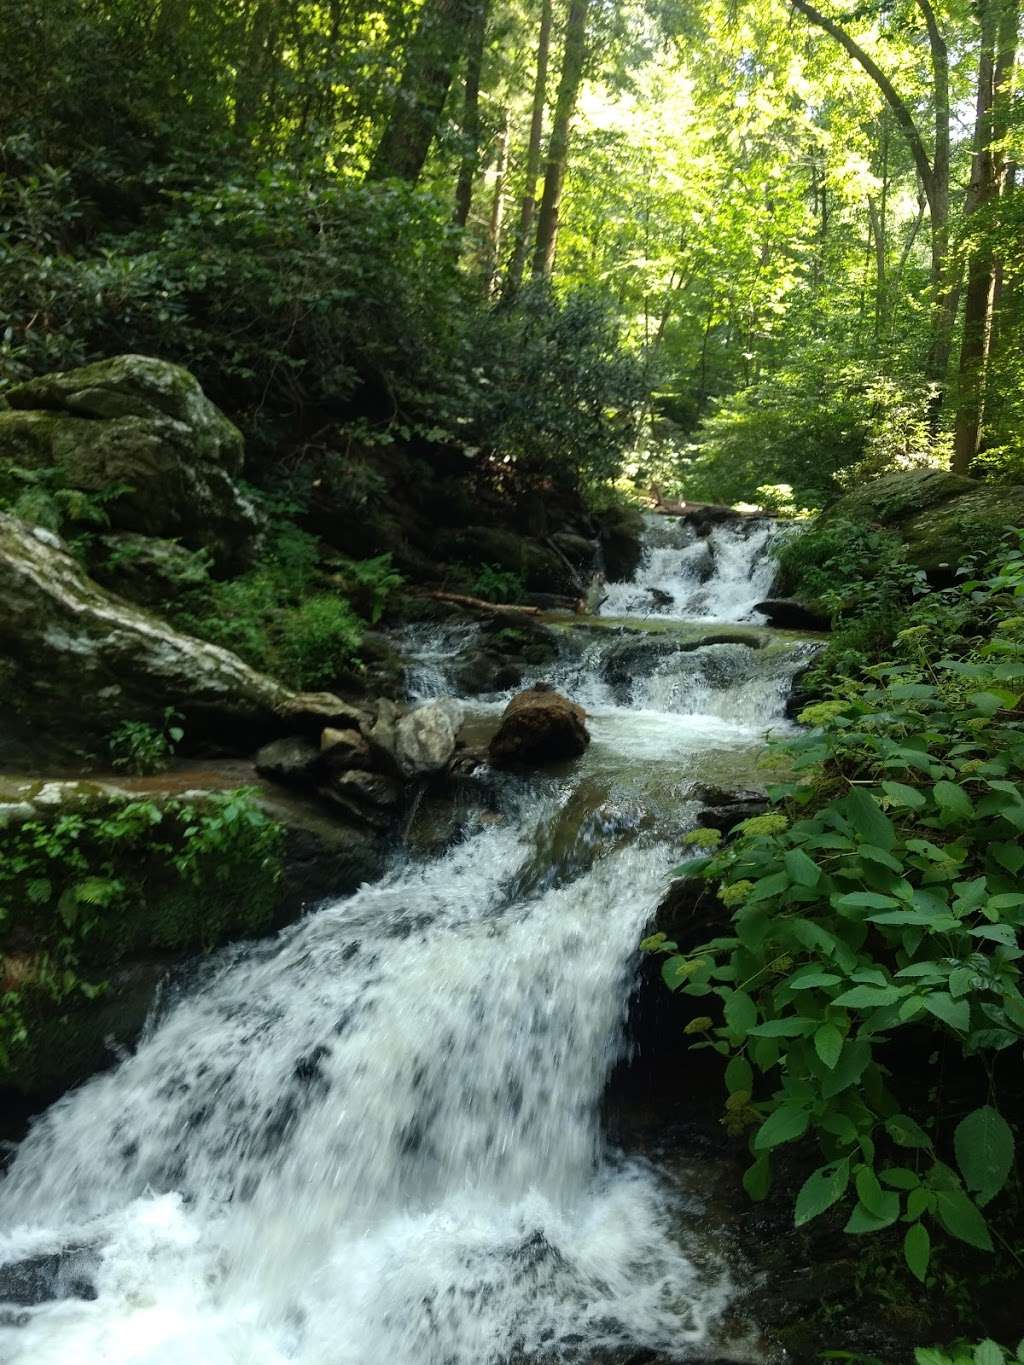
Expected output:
(511, 682)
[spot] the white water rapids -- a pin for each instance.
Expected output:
(375, 1140)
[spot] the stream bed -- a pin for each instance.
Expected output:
(377, 1138)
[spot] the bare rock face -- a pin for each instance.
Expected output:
(425, 738)
(76, 660)
(142, 429)
(539, 726)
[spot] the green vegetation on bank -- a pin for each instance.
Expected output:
(86, 892)
(866, 988)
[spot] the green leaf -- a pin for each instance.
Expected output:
(785, 1124)
(768, 887)
(809, 977)
(790, 1027)
(988, 1353)
(870, 1192)
(900, 1178)
(984, 1147)
(902, 795)
(865, 900)
(953, 801)
(963, 1219)
(825, 1187)
(1010, 856)
(917, 1250)
(863, 1220)
(868, 819)
(848, 1070)
(905, 1132)
(828, 1043)
(757, 1179)
(740, 1013)
(676, 970)
(869, 997)
(802, 870)
(955, 1013)
(880, 857)
(739, 1076)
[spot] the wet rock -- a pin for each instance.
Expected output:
(371, 798)
(142, 426)
(343, 749)
(786, 613)
(541, 569)
(733, 637)
(425, 738)
(728, 815)
(660, 598)
(621, 537)
(539, 726)
(294, 761)
(580, 552)
(42, 1279)
(381, 734)
(312, 711)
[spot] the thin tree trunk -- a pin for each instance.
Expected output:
(471, 113)
(995, 70)
(430, 62)
(497, 219)
(514, 278)
(573, 60)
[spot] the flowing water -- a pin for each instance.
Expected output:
(375, 1140)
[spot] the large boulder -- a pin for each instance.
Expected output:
(75, 661)
(140, 433)
(539, 726)
(425, 738)
(787, 613)
(621, 537)
(942, 517)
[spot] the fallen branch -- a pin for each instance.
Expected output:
(459, 599)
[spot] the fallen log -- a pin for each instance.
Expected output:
(458, 599)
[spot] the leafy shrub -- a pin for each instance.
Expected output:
(496, 585)
(138, 747)
(884, 895)
(859, 577)
(319, 640)
(88, 888)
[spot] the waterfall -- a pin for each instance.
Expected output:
(376, 1138)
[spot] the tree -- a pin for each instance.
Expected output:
(573, 62)
(433, 54)
(471, 113)
(517, 265)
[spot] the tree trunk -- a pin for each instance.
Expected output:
(573, 60)
(497, 219)
(995, 71)
(430, 63)
(471, 114)
(514, 278)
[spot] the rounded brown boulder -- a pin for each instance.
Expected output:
(539, 726)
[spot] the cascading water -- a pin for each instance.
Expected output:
(377, 1138)
(720, 576)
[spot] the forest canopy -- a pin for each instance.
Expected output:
(740, 251)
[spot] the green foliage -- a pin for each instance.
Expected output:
(319, 639)
(496, 585)
(90, 887)
(138, 747)
(885, 897)
(371, 583)
(41, 497)
(856, 575)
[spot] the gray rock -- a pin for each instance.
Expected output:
(294, 761)
(370, 798)
(425, 738)
(76, 661)
(344, 749)
(144, 427)
(147, 570)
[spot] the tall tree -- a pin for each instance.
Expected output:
(573, 62)
(430, 62)
(470, 163)
(528, 209)
(932, 170)
(997, 57)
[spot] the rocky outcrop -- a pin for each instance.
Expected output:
(75, 661)
(425, 738)
(942, 517)
(787, 613)
(542, 570)
(539, 726)
(141, 433)
(620, 533)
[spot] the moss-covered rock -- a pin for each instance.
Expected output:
(942, 517)
(541, 569)
(139, 434)
(621, 536)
